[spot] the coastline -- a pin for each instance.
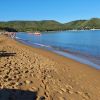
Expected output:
(55, 76)
(67, 55)
(81, 57)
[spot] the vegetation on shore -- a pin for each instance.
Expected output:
(49, 25)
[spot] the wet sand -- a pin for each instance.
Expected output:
(50, 76)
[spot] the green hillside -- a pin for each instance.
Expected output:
(74, 24)
(93, 23)
(30, 26)
(49, 25)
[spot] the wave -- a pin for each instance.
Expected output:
(43, 45)
(31, 43)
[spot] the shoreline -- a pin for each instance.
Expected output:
(52, 76)
(44, 52)
(59, 30)
(67, 54)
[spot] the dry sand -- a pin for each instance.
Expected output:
(28, 73)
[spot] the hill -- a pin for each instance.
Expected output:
(74, 24)
(49, 25)
(93, 23)
(45, 25)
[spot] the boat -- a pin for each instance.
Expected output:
(37, 33)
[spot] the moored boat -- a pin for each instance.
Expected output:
(37, 33)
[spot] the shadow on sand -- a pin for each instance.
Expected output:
(6, 54)
(14, 94)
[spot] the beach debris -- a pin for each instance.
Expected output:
(42, 98)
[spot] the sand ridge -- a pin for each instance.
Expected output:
(51, 76)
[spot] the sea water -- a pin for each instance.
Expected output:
(83, 46)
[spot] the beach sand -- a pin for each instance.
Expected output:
(28, 73)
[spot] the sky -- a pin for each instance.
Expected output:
(59, 10)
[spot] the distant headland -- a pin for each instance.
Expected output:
(49, 25)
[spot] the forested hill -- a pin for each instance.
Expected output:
(93, 23)
(30, 26)
(49, 25)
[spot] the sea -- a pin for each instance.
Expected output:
(82, 46)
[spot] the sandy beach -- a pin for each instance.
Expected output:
(28, 73)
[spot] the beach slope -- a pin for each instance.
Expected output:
(50, 76)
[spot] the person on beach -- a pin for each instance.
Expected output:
(13, 35)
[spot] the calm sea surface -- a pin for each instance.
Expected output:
(83, 46)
